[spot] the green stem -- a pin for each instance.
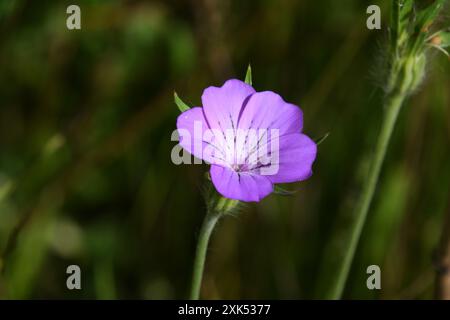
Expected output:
(392, 107)
(202, 245)
(217, 207)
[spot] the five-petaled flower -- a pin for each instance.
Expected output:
(252, 140)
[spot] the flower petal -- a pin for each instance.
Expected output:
(192, 126)
(267, 110)
(293, 161)
(243, 186)
(222, 105)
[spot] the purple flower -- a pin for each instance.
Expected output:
(252, 140)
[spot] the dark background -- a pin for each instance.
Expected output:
(86, 177)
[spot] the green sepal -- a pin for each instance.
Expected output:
(322, 138)
(248, 75)
(283, 192)
(182, 106)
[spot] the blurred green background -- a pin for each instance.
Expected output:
(86, 177)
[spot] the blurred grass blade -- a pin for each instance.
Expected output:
(5, 189)
(182, 106)
(7, 8)
(248, 75)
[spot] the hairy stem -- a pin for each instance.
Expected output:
(202, 245)
(217, 207)
(407, 61)
(393, 104)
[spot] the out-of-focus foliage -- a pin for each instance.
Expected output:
(86, 178)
